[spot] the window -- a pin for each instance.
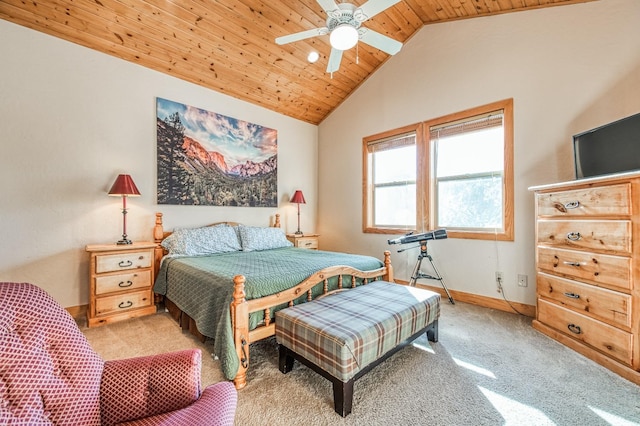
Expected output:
(390, 173)
(466, 185)
(471, 158)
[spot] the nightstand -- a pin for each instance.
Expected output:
(308, 241)
(121, 281)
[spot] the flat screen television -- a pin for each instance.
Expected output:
(612, 148)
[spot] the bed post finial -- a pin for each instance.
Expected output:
(276, 224)
(158, 230)
(387, 264)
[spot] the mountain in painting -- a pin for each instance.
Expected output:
(188, 174)
(194, 150)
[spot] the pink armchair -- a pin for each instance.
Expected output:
(50, 375)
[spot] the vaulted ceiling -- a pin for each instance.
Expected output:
(228, 45)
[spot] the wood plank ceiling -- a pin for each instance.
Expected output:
(228, 45)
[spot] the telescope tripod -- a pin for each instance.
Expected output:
(417, 274)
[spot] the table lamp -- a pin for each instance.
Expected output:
(124, 186)
(298, 198)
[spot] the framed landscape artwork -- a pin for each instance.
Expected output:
(209, 159)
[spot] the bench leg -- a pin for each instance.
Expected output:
(432, 332)
(285, 359)
(342, 396)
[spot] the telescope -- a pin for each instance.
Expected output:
(438, 234)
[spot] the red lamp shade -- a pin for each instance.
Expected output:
(298, 198)
(125, 186)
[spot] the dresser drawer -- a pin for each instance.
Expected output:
(119, 282)
(605, 235)
(610, 306)
(607, 339)
(123, 302)
(608, 270)
(308, 243)
(612, 200)
(123, 261)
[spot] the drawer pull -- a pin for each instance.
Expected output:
(574, 329)
(564, 207)
(573, 236)
(124, 264)
(124, 305)
(572, 205)
(572, 295)
(576, 264)
(123, 284)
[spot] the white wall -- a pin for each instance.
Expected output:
(568, 69)
(71, 120)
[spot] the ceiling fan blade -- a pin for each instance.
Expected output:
(373, 7)
(334, 60)
(380, 41)
(327, 5)
(302, 35)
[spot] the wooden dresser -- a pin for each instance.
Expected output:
(121, 281)
(588, 268)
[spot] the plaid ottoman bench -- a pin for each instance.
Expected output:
(345, 334)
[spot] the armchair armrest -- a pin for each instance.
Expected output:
(145, 386)
(216, 407)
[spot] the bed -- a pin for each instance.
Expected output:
(231, 291)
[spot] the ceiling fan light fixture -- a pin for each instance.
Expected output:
(343, 37)
(313, 57)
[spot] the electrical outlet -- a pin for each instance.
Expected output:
(522, 280)
(499, 281)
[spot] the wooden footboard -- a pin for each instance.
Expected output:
(241, 308)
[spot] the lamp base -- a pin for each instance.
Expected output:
(298, 232)
(123, 242)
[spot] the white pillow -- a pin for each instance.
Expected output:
(202, 241)
(258, 238)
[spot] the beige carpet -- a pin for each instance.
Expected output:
(488, 368)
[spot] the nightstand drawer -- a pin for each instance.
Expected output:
(613, 271)
(123, 261)
(601, 235)
(610, 306)
(123, 302)
(308, 243)
(603, 337)
(119, 282)
(598, 201)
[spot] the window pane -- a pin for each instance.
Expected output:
(395, 165)
(470, 153)
(470, 203)
(395, 206)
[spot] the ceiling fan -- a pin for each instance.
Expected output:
(344, 22)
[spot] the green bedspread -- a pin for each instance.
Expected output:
(202, 286)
